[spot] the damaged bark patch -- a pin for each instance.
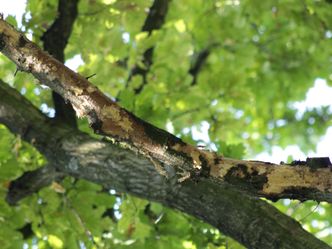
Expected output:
(95, 122)
(22, 41)
(157, 135)
(205, 170)
(239, 174)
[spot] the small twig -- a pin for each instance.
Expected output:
(16, 71)
(311, 212)
(90, 76)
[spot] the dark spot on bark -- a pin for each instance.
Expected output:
(22, 41)
(161, 137)
(95, 123)
(243, 166)
(157, 135)
(257, 181)
(22, 60)
(298, 163)
(205, 170)
(256, 161)
(239, 175)
(300, 193)
(2, 42)
(217, 160)
(180, 154)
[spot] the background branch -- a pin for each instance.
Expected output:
(200, 59)
(154, 20)
(55, 40)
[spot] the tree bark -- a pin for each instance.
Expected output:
(173, 158)
(210, 191)
(249, 220)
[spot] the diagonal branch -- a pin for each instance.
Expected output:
(55, 40)
(251, 221)
(172, 157)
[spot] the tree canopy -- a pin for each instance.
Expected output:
(111, 179)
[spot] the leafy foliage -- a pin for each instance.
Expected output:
(263, 56)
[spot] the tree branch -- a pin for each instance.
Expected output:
(31, 182)
(251, 221)
(154, 20)
(199, 61)
(55, 40)
(198, 64)
(172, 157)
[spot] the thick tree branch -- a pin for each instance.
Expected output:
(55, 40)
(154, 20)
(172, 157)
(253, 222)
(31, 182)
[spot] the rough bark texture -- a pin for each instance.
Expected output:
(173, 158)
(251, 221)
